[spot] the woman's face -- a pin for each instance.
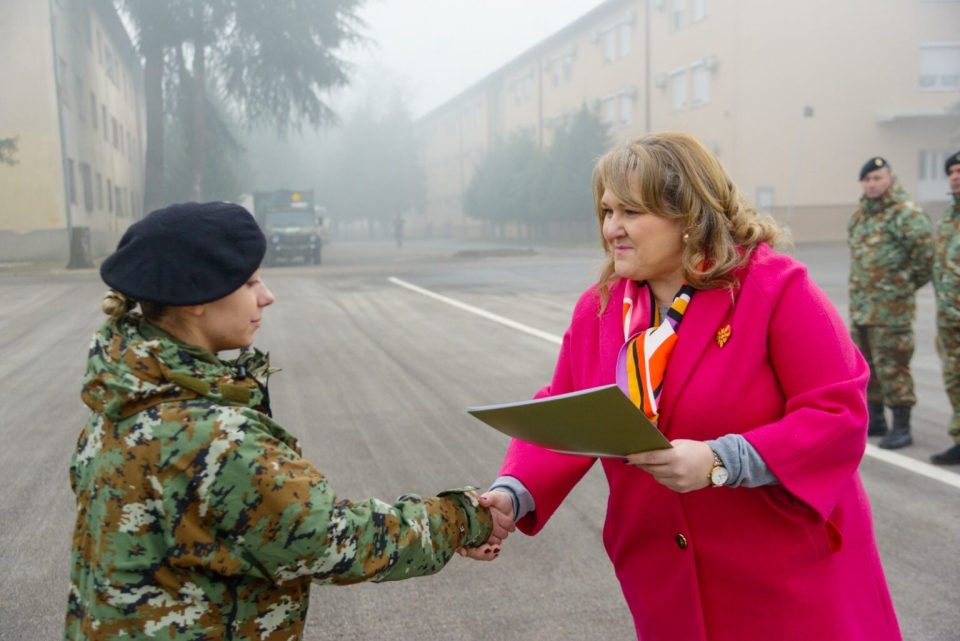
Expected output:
(644, 246)
(231, 322)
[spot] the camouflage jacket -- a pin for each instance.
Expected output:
(946, 269)
(197, 517)
(891, 256)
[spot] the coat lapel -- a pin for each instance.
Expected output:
(708, 312)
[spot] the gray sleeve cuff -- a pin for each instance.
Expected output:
(523, 502)
(745, 465)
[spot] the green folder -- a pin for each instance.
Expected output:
(595, 422)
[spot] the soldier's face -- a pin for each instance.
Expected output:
(877, 182)
(953, 176)
(232, 321)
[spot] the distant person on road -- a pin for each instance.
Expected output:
(891, 257)
(946, 283)
(754, 524)
(398, 230)
(197, 516)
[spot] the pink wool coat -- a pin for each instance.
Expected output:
(789, 562)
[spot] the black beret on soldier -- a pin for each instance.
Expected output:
(186, 254)
(953, 159)
(873, 164)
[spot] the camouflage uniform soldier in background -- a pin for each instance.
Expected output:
(891, 256)
(946, 282)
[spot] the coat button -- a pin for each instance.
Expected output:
(681, 541)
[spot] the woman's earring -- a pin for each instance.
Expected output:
(686, 237)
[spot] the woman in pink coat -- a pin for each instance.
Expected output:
(754, 526)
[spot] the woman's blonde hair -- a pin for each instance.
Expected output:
(674, 175)
(114, 304)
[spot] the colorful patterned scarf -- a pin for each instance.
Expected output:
(645, 352)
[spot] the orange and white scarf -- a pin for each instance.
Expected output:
(643, 358)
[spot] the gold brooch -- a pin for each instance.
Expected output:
(723, 335)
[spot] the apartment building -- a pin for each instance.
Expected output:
(74, 102)
(793, 97)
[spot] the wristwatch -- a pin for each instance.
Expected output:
(718, 473)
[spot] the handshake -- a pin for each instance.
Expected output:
(502, 514)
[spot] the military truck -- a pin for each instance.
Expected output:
(291, 223)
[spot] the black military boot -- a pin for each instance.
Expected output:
(878, 423)
(947, 457)
(899, 436)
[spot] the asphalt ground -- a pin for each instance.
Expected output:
(375, 378)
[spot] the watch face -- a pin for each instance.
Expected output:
(719, 475)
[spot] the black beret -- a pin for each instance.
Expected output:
(873, 164)
(952, 160)
(186, 254)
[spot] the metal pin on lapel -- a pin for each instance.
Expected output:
(723, 335)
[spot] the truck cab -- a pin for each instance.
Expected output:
(293, 227)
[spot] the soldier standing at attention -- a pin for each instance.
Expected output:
(197, 517)
(946, 282)
(891, 256)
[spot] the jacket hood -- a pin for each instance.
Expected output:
(133, 365)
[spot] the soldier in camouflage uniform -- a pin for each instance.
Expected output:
(946, 282)
(197, 516)
(891, 256)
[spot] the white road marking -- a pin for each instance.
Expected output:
(893, 458)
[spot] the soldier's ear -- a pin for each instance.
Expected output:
(194, 310)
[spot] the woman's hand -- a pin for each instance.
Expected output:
(501, 509)
(683, 468)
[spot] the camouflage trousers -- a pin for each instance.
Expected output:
(948, 346)
(888, 350)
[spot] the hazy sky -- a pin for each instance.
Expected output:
(437, 48)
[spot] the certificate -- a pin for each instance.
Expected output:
(600, 421)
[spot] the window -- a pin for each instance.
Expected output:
(108, 64)
(103, 119)
(99, 48)
(81, 103)
(118, 200)
(764, 198)
(93, 110)
(554, 69)
(120, 139)
(61, 85)
(678, 89)
(113, 121)
(700, 78)
(99, 191)
(678, 13)
(940, 66)
(931, 180)
(109, 196)
(626, 109)
(568, 66)
(609, 45)
(699, 11)
(609, 110)
(87, 186)
(626, 31)
(71, 182)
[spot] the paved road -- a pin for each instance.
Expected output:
(375, 378)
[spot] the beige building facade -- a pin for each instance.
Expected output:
(793, 97)
(73, 101)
